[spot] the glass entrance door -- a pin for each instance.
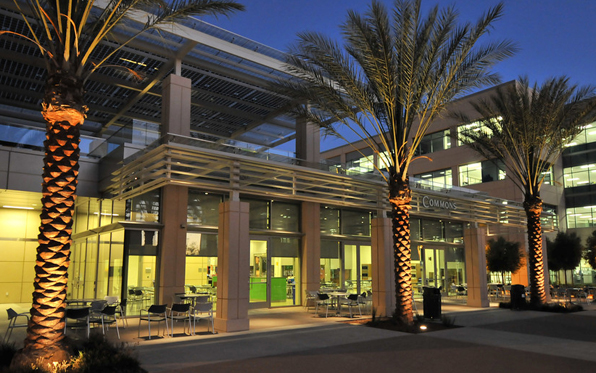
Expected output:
(357, 268)
(141, 268)
(258, 280)
(274, 272)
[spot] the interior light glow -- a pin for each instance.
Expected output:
(105, 214)
(582, 182)
(18, 207)
(587, 166)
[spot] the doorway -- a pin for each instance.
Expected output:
(346, 265)
(274, 272)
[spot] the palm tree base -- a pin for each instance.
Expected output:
(42, 357)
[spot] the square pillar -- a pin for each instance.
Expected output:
(308, 141)
(310, 248)
(475, 249)
(175, 105)
(383, 270)
(172, 256)
(233, 271)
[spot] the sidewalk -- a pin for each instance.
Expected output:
(291, 340)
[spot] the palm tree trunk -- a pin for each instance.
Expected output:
(400, 196)
(64, 114)
(533, 207)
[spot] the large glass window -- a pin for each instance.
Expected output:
(587, 135)
(474, 126)
(360, 162)
(201, 262)
(435, 179)
(285, 217)
(481, 172)
(203, 208)
(330, 274)
(434, 142)
(579, 175)
(581, 217)
(355, 223)
(329, 220)
(145, 207)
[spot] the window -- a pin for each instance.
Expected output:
(438, 178)
(579, 175)
(357, 164)
(587, 135)
(203, 208)
(581, 217)
(481, 172)
(475, 126)
(434, 142)
(549, 176)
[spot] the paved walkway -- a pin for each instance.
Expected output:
(491, 340)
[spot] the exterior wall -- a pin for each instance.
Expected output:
(382, 265)
(311, 247)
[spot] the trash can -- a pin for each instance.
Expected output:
(518, 297)
(431, 302)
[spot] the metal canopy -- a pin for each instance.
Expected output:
(231, 75)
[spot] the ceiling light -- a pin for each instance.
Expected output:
(18, 207)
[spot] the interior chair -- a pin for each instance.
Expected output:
(365, 299)
(351, 301)
(180, 312)
(77, 318)
(193, 289)
(202, 311)
(155, 313)
(323, 300)
(106, 317)
(12, 322)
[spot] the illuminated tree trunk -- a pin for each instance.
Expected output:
(533, 207)
(64, 114)
(400, 196)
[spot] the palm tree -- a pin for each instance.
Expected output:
(67, 32)
(394, 70)
(526, 128)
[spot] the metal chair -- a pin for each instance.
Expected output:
(155, 313)
(323, 300)
(79, 318)
(106, 317)
(350, 301)
(202, 311)
(311, 298)
(12, 322)
(180, 312)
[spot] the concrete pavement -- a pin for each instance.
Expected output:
(291, 340)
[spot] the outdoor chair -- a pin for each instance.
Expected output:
(155, 313)
(323, 300)
(180, 312)
(202, 311)
(351, 301)
(77, 318)
(12, 322)
(311, 298)
(106, 317)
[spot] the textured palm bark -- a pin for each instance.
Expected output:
(64, 114)
(533, 207)
(400, 196)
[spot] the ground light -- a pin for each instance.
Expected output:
(423, 327)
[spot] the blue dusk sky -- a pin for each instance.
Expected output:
(555, 37)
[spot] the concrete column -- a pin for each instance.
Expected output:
(383, 270)
(308, 141)
(522, 275)
(175, 105)
(546, 272)
(232, 267)
(311, 248)
(172, 258)
(475, 248)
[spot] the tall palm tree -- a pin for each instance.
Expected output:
(526, 128)
(67, 32)
(394, 74)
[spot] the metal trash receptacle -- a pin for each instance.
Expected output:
(431, 302)
(518, 297)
